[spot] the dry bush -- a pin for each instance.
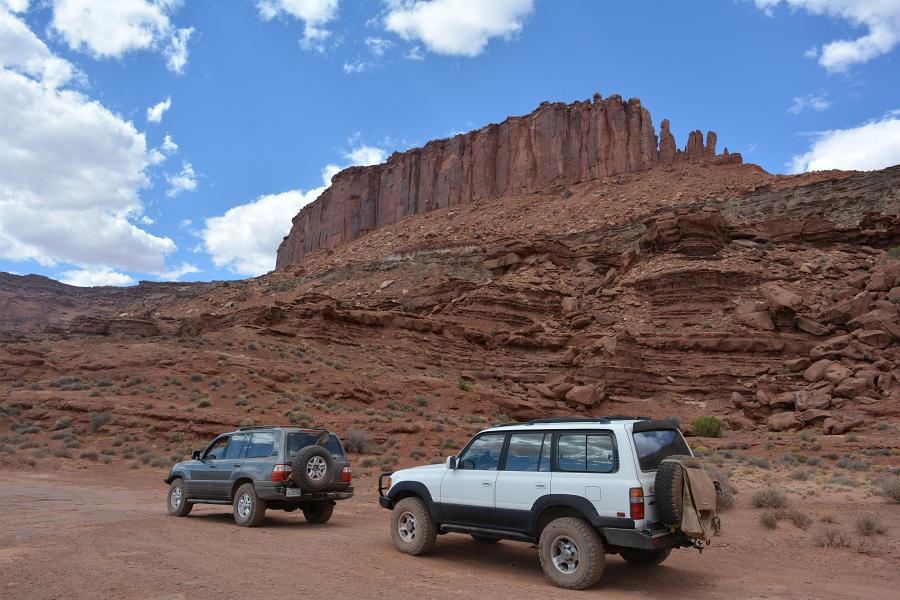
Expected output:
(726, 491)
(889, 487)
(770, 518)
(359, 441)
(769, 498)
(831, 538)
(869, 524)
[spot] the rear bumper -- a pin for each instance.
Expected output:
(279, 492)
(644, 539)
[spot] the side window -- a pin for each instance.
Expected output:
(235, 446)
(581, 452)
(524, 452)
(545, 452)
(217, 448)
(261, 445)
(484, 453)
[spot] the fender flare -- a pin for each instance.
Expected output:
(579, 504)
(417, 489)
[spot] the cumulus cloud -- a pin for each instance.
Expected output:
(245, 239)
(313, 13)
(178, 272)
(879, 18)
(113, 29)
(183, 181)
(24, 52)
(816, 103)
(96, 277)
(169, 146)
(872, 145)
(155, 112)
(456, 27)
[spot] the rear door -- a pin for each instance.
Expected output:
(523, 478)
(225, 467)
(651, 446)
(467, 492)
(587, 467)
(257, 455)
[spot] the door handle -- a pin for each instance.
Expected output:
(237, 464)
(540, 486)
(486, 483)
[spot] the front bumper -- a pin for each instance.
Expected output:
(645, 539)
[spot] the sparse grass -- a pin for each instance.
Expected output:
(769, 498)
(869, 524)
(61, 423)
(889, 488)
(359, 441)
(831, 537)
(99, 419)
(761, 462)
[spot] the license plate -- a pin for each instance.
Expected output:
(293, 492)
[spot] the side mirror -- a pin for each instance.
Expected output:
(451, 462)
(195, 455)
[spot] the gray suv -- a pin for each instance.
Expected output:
(255, 468)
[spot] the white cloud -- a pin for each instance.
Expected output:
(183, 181)
(169, 146)
(366, 155)
(92, 277)
(246, 237)
(70, 181)
(816, 103)
(313, 13)
(155, 112)
(145, 220)
(15, 6)
(879, 18)
(456, 27)
(356, 67)
(185, 223)
(378, 46)
(873, 145)
(414, 53)
(112, 29)
(23, 52)
(178, 272)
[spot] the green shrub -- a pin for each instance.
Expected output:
(894, 252)
(464, 384)
(99, 419)
(61, 423)
(769, 498)
(706, 427)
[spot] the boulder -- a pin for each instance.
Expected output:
(816, 371)
(836, 373)
(585, 395)
(783, 421)
(781, 298)
(852, 387)
(846, 310)
(818, 399)
(809, 326)
(813, 414)
(873, 337)
(754, 314)
(832, 426)
(739, 423)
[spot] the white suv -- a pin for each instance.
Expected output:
(580, 488)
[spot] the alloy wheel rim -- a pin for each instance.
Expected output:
(407, 527)
(316, 468)
(244, 506)
(175, 498)
(564, 553)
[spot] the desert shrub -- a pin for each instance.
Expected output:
(104, 383)
(359, 441)
(769, 498)
(769, 519)
(449, 444)
(869, 524)
(134, 380)
(889, 487)
(196, 377)
(61, 423)
(894, 252)
(760, 462)
(852, 465)
(831, 537)
(726, 491)
(90, 455)
(464, 384)
(203, 403)
(99, 419)
(421, 401)
(706, 427)
(60, 453)
(800, 475)
(368, 462)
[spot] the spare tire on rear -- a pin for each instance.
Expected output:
(669, 487)
(312, 468)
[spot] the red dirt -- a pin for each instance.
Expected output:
(103, 533)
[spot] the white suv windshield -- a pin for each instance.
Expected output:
(653, 446)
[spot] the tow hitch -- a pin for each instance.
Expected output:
(698, 544)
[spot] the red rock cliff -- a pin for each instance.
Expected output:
(557, 144)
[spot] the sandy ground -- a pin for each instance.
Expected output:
(104, 533)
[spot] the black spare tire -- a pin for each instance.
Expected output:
(312, 468)
(669, 487)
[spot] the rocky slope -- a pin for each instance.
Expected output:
(697, 288)
(556, 145)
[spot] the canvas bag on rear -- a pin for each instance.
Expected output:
(700, 518)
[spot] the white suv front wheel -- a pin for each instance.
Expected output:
(412, 528)
(572, 553)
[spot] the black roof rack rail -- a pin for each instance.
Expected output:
(249, 427)
(551, 420)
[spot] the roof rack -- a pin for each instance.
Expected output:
(249, 427)
(551, 420)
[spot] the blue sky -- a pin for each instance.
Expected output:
(256, 99)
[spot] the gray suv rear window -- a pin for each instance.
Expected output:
(297, 440)
(653, 446)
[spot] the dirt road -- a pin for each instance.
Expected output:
(102, 533)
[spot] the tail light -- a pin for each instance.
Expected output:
(346, 474)
(281, 472)
(636, 496)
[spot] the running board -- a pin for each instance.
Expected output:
(498, 533)
(205, 501)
